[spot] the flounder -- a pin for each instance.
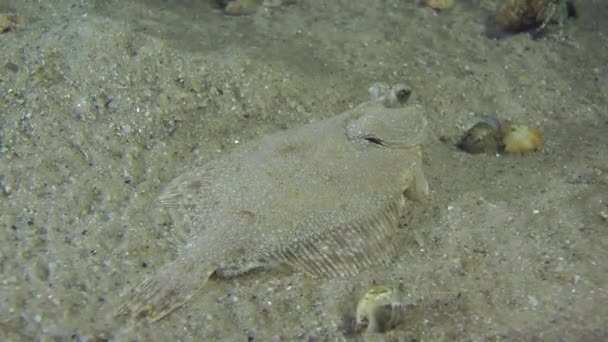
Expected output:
(324, 199)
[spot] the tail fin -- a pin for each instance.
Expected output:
(172, 286)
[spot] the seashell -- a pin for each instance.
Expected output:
(483, 137)
(379, 310)
(520, 138)
(523, 15)
(490, 135)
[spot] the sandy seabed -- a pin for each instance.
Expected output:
(102, 103)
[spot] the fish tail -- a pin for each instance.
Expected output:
(171, 287)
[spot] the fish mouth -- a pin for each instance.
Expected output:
(374, 140)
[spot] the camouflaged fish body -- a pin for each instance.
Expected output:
(324, 199)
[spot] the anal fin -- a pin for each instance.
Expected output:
(347, 250)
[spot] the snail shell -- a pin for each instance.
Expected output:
(482, 137)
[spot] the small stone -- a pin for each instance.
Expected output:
(241, 7)
(6, 185)
(8, 21)
(440, 4)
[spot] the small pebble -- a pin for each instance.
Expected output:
(8, 21)
(440, 4)
(240, 7)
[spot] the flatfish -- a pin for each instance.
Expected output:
(324, 199)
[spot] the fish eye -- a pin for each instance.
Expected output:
(403, 95)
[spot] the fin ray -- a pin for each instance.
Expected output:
(346, 250)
